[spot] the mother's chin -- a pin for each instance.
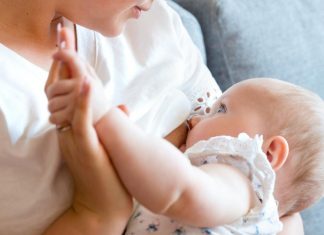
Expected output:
(106, 28)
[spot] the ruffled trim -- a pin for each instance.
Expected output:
(245, 154)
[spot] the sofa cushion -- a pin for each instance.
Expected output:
(313, 219)
(247, 38)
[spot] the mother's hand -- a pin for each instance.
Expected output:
(101, 205)
(97, 185)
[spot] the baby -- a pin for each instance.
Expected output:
(229, 185)
(256, 157)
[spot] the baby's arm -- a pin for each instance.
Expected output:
(160, 177)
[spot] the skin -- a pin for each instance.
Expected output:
(118, 12)
(231, 115)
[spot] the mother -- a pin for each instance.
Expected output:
(136, 69)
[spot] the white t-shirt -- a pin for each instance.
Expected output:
(153, 68)
(246, 155)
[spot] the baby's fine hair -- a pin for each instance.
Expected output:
(298, 115)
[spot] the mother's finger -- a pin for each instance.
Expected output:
(61, 117)
(61, 102)
(53, 74)
(82, 125)
(85, 139)
(67, 36)
(63, 87)
(82, 119)
(77, 67)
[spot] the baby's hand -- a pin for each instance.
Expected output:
(63, 92)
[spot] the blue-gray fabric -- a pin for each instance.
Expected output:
(313, 219)
(265, 38)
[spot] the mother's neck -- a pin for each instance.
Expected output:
(28, 19)
(28, 27)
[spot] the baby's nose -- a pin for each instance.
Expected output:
(193, 121)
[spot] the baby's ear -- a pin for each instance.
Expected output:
(276, 149)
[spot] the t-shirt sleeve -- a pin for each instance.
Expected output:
(199, 84)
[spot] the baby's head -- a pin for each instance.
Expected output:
(291, 120)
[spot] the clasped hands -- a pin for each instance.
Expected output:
(77, 100)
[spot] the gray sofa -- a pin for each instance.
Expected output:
(241, 39)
